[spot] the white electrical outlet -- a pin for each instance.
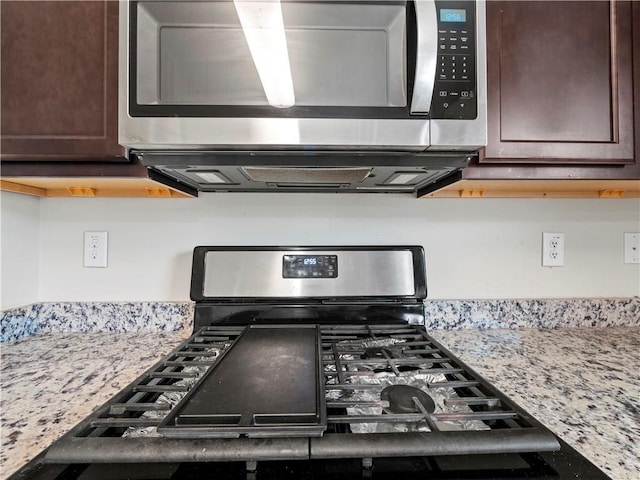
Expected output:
(632, 247)
(552, 249)
(95, 249)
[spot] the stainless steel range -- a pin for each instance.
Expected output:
(309, 362)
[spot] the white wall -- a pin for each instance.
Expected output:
(20, 249)
(476, 248)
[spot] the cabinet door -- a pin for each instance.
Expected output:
(560, 83)
(59, 80)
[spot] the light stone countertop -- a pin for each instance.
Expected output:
(582, 383)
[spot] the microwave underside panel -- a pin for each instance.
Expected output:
(196, 53)
(382, 179)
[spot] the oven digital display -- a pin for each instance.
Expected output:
(453, 15)
(309, 266)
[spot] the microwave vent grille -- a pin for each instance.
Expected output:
(307, 175)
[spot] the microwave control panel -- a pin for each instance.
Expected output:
(455, 91)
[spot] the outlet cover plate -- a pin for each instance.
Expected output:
(552, 249)
(632, 247)
(95, 249)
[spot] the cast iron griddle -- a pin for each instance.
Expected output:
(268, 384)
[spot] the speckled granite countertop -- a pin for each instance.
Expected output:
(582, 383)
(52, 381)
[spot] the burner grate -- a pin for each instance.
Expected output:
(126, 427)
(404, 355)
(139, 409)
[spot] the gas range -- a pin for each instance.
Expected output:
(309, 362)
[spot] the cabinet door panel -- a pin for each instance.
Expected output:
(560, 82)
(59, 80)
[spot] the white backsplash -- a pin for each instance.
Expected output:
(475, 248)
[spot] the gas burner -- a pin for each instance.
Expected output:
(378, 352)
(400, 398)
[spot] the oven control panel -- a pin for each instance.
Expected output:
(310, 273)
(309, 266)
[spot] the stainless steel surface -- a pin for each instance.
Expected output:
(259, 274)
(178, 133)
(409, 134)
(427, 54)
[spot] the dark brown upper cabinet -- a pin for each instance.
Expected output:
(59, 81)
(561, 90)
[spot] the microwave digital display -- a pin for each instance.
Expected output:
(453, 15)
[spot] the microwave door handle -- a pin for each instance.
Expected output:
(426, 55)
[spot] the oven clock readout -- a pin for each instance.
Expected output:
(309, 266)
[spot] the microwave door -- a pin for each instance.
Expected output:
(324, 59)
(426, 56)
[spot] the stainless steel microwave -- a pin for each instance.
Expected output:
(302, 77)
